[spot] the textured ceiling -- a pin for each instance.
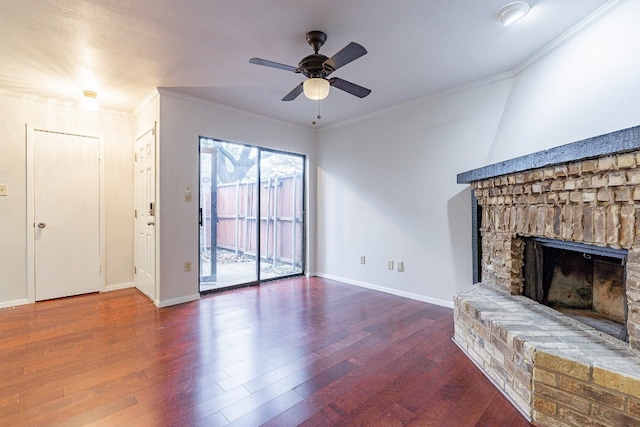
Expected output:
(124, 49)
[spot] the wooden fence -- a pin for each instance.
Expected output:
(281, 224)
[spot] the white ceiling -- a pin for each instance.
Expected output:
(123, 49)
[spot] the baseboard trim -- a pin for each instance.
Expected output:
(442, 303)
(119, 286)
(14, 303)
(176, 301)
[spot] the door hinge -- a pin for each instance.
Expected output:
(135, 270)
(135, 157)
(135, 213)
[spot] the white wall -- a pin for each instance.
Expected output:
(387, 191)
(147, 114)
(386, 185)
(587, 87)
(182, 121)
(116, 129)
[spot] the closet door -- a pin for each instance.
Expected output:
(66, 212)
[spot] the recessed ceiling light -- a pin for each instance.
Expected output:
(510, 13)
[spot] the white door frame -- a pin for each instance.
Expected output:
(30, 224)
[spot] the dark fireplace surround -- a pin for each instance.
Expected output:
(559, 240)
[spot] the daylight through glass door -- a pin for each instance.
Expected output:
(249, 232)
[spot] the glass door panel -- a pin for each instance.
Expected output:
(281, 214)
(228, 214)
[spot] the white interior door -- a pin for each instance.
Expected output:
(145, 185)
(66, 213)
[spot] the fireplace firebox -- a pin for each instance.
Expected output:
(582, 281)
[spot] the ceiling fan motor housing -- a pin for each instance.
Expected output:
(312, 66)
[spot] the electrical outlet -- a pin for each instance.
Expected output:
(400, 266)
(187, 266)
(390, 265)
(362, 259)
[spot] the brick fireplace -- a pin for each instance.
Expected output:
(557, 370)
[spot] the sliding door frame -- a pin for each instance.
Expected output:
(303, 217)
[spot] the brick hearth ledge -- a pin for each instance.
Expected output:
(556, 370)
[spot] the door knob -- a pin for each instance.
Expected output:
(41, 225)
(150, 223)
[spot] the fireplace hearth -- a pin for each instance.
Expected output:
(555, 321)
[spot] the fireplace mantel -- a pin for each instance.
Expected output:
(618, 142)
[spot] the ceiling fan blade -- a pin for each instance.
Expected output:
(293, 94)
(349, 87)
(349, 53)
(272, 64)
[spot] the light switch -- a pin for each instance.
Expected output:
(4, 189)
(187, 192)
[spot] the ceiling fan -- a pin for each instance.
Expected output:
(317, 67)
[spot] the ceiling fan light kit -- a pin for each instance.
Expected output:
(512, 12)
(317, 67)
(316, 88)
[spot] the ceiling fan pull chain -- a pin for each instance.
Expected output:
(318, 116)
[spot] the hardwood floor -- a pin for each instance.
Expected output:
(309, 352)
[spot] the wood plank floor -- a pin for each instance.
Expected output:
(309, 352)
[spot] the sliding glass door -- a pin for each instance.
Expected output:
(249, 232)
